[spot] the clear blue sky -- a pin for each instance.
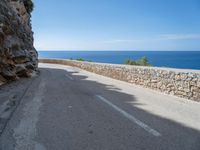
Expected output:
(116, 24)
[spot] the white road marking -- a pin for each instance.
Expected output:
(68, 76)
(130, 117)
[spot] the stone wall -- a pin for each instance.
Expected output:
(18, 57)
(179, 82)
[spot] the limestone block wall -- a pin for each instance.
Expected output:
(178, 82)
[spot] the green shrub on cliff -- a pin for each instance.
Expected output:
(141, 62)
(29, 5)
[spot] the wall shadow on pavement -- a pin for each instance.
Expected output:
(175, 135)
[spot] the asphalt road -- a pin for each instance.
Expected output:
(66, 108)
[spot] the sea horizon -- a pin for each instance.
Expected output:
(171, 59)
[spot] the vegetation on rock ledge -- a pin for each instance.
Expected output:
(29, 5)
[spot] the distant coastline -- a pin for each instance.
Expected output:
(172, 59)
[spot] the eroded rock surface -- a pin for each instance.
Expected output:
(18, 57)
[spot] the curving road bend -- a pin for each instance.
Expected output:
(66, 108)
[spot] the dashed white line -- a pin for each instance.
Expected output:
(130, 117)
(69, 77)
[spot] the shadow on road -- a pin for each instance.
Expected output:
(72, 113)
(174, 135)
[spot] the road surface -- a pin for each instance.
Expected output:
(66, 108)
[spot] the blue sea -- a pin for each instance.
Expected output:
(173, 59)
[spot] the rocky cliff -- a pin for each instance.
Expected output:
(18, 57)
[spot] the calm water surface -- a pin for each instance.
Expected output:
(174, 59)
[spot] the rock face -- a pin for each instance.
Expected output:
(18, 57)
